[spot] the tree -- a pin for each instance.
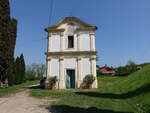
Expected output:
(129, 68)
(11, 74)
(22, 68)
(8, 30)
(17, 71)
(30, 73)
(40, 70)
(131, 63)
(37, 69)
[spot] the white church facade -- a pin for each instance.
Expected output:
(71, 53)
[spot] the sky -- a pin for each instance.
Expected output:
(123, 34)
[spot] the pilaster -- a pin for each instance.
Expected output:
(49, 42)
(48, 72)
(79, 71)
(78, 42)
(93, 70)
(61, 73)
(61, 42)
(92, 41)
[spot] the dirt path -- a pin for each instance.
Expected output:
(22, 103)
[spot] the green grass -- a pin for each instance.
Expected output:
(15, 88)
(114, 95)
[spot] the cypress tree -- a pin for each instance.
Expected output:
(8, 29)
(17, 77)
(22, 68)
(11, 73)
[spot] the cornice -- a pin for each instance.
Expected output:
(71, 53)
(93, 58)
(71, 19)
(49, 30)
(94, 28)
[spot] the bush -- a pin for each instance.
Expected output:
(42, 82)
(52, 82)
(87, 81)
(140, 108)
(30, 75)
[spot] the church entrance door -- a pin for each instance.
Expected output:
(70, 79)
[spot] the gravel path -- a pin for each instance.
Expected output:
(22, 103)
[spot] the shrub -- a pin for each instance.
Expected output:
(42, 82)
(52, 82)
(87, 81)
(140, 108)
(30, 75)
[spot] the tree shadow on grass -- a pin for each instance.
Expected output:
(71, 109)
(36, 87)
(138, 91)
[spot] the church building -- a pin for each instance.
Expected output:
(71, 53)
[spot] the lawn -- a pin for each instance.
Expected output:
(114, 95)
(15, 88)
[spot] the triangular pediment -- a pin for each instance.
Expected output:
(83, 25)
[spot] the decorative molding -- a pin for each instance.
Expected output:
(72, 53)
(92, 33)
(93, 58)
(61, 34)
(61, 58)
(93, 28)
(79, 58)
(49, 34)
(70, 19)
(49, 30)
(49, 59)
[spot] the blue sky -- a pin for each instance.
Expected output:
(123, 34)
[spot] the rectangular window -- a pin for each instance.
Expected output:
(70, 41)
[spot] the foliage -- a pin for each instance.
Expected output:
(30, 75)
(142, 108)
(98, 73)
(115, 95)
(143, 65)
(40, 70)
(129, 68)
(11, 74)
(52, 81)
(131, 63)
(87, 81)
(42, 82)
(23, 68)
(8, 31)
(17, 71)
(36, 71)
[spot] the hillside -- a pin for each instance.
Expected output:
(114, 95)
(128, 83)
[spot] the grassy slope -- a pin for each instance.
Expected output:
(15, 88)
(114, 95)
